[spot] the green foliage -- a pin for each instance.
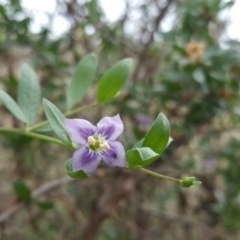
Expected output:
(200, 98)
(45, 205)
(56, 120)
(22, 190)
(29, 94)
(148, 149)
(138, 144)
(140, 157)
(158, 136)
(82, 79)
(12, 106)
(113, 80)
(45, 128)
(199, 76)
(80, 174)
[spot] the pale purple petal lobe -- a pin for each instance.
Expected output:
(115, 156)
(110, 127)
(86, 160)
(79, 130)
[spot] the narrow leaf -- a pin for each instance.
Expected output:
(12, 106)
(29, 93)
(56, 120)
(113, 80)
(157, 137)
(82, 79)
(80, 174)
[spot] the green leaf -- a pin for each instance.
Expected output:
(140, 156)
(82, 79)
(22, 190)
(56, 120)
(138, 144)
(44, 204)
(80, 174)
(113, 80)
(157, 137)
(45, 128)
(12, 106)
(199, 75)
(29, 94)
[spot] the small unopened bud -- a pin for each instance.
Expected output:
(189, 182)
(105, 146)
(91, 140)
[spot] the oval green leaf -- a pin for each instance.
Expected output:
(56, 120)
(82, 79)
(12, 106)
(29, 94)
(80, 174)
(113, 80)
(158, 136)
(141, 157)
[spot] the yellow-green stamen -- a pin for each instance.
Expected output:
(97, 143)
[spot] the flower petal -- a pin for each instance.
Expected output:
(110, 127)
(115, 156)
(86, 160)
(79, 130)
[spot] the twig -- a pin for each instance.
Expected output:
(144, 51)
(36, 193)
(33, 135)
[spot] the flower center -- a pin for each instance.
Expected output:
(97, 143)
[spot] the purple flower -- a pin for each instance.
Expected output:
(97, 143)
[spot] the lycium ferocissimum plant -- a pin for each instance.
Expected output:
(91, 144)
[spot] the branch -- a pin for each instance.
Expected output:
(33, 135)
(144, 51)
(36, 193)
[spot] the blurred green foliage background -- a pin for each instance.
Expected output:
(190, 72)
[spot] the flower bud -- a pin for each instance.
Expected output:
(189, 182)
